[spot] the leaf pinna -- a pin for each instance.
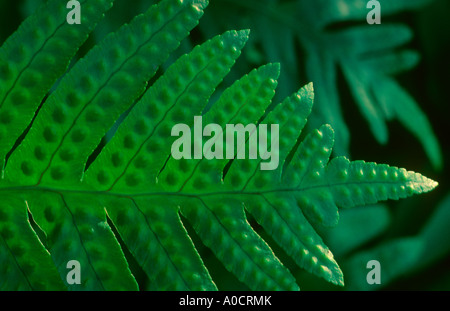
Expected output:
(136, 196)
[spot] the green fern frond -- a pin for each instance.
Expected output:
(388, 255)
(368, 55)
(417, 251)
(137, 189)
(353, 50)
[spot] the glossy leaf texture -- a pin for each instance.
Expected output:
(136, 196)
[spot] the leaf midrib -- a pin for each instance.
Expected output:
(199, 195)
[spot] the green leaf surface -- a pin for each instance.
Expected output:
(33, 58)
(24, 262)
(136, 198)
(436, 228)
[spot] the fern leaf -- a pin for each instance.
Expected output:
(180, 97)
(222, 226)
(136, 188)
(330, 11)
(75, 233)
(416, 252)
(241, 103)
(403, 107)
(99, 88)
(159, 242)
(435, 228)
(120, 73)
(25, 263)
(396, 258)
(321, 68)
(334, 35)
(393, 62)
(33, 58)
(366, 42)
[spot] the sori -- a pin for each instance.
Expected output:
(213, 148)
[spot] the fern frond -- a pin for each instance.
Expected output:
(388, 254)
(135, 187)
(329, 11)
(367, 54)
(356, 228)
(361, 43)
